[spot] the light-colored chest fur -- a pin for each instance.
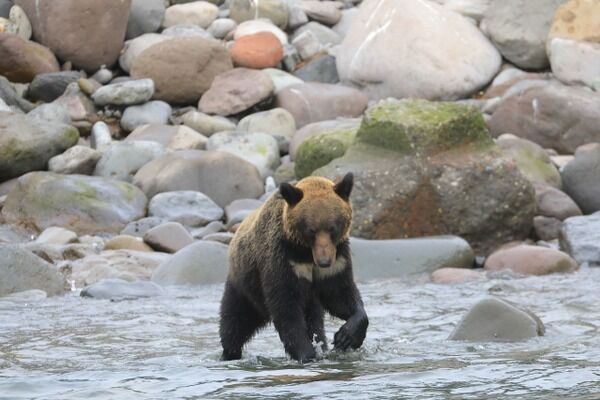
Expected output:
(310, 271)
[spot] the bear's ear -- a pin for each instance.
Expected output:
(344, 187)
(291, 194)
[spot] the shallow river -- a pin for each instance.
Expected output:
(168, 347)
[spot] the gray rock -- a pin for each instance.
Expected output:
(11, 97)
(100, 138)
(122, 160)
(239, 209)
(547, 228)
(553, 203)
(186, 30)
(125, 93)
(169, 237)
(297, 17)
(140, 227)
(26, 144)
(222, 27)
(76, 160)
(377, 259)
(326, 36)
(212, 227)
(580, 237)
(322, 69)
(172, 137)
(119, 289)
(206, 124)
(307, 45)
(326, 12)
(291, 57)
(103, 76)
(222, 176)
(187, 207)
(50, 86)
(135, 47)
(343, 26)
(276, 122)
(200, 13)
(153, 112)
(496, 320)
(519, 29)
(84, 204)
(552, 115)
(51, 112)
(581, 178)
(281, 79)
(574, 62)
(221, 237)
(22, 270)
(275, 11)
(260, 149)
(145, 16)
(56, 235)
(203, 262)
(129, 265)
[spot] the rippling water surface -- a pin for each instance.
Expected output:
(168, 347)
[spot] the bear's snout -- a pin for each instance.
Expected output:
(323, 250)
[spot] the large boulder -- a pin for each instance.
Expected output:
(22, 270)
(221, 176)
(202, 262)
(321, 149)
(88, 33)
(493, 319)
(581, 178)
(580, 237)
(84, 204)
(426, 168)
(519, 29)
(26, 144)
(182, 68)
(21, 60)
(530, 260)
(443, 55)
(551, 115)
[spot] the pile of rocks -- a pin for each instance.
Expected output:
(136, 134)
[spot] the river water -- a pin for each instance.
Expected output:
(167, 347)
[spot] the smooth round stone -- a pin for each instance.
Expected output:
(530, 260)
(53, 112)
(168, 237)
(145, 16)
(103, 76)
(76, 160)
(22, 270)
(222, 176)
(50, 86)
(203, 262)
(326, 12)
(452, 276)
(80, 106)
(125, 93)
(554, 203)
(495, 320)
(277, 122)
(206, 124)
(123, 159)
(201, 13)
(259, 25)
(153, 112)
(275, 11)
(186, 30)
(235, 91)
(404, 257)
(56, 235)
(326, 36)
(21, 60)
(580, 237)
(547, 228)
(187, 207)
(581, 178)
(321, 69)
(221, 237)
(127, 242)
(212, 227)
(222, 27)
(141, 226)
(321, 128)
(100, 138)
(260, 50)
(307, 45)
(19, 18)
(281, 79)
(135, 47)
(129, 265)
(172, 137)
(239, 209)
(121, 289)
(260, 149)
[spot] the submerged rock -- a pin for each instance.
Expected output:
(495, 320)
(120, 289)
(450, 276)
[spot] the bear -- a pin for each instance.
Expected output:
(289, 263)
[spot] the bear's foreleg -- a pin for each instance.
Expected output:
(239, 322)
(315, 327)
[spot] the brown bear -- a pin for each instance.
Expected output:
(289, 262)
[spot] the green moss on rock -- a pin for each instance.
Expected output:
(321, 149)
(409, 126)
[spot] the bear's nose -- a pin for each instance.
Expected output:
(324, 262)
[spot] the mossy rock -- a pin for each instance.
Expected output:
(409, 126)
(321, 149)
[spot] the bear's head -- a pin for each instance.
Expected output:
(317, 215)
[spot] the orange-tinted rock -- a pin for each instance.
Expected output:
(260, 50)
(449, 276)
(21, 60)
(530, 260)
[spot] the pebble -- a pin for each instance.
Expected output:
(127, 242)
(100, 138)
(201, 13)
(168, 237)
(222, 27)
(141, 226)
(124, 94)
(172, 137)
(56, 235)
(206, 124)
(307, 45)
(123, 159)
(153, 112)
(452, 276)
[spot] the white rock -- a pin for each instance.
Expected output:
(276, 122)
(186, 30)
(100, 138)
(575, 62)
(449, 57)
(221, 27)
(307, 45)
(125, 93)
(187, 207)
(56, 235)
(18, 16)
(259, 25)
(201, 13)
(206, 124)
(123, 159)
(169, 237)
(76, 160)
(470, 8)
(153, 112)
(282, 79)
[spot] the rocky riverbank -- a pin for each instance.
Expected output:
(136, 135)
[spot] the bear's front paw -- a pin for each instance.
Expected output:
(305, 355)
(351, 334)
